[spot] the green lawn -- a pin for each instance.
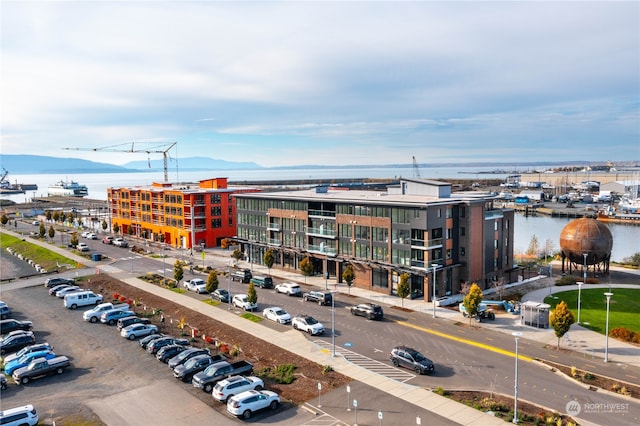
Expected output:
(46, 258)
(624, 308)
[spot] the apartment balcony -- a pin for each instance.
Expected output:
(273, 227)
(427, 245)
(321, 232)
(322, 249)
(326, 214)
(274, 242)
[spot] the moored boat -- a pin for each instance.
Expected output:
(68, 188)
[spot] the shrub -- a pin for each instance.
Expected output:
(283, 374)
(115, 296)
(566, 280)
(440, 391)
(326, 369)
(622, 333)
(122, 299)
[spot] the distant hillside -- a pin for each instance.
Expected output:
(38, 164)
(191, 164)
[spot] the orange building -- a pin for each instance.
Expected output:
(183, 215)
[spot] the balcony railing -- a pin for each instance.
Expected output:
(323, 213)
(322, 232)
(274, 241)
(273, 227)
(322, 249)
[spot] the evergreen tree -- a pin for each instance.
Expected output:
(252, 295)
(560, 320)
(471, 301)
(48, 215)
(178, 272)
(403, 287)
(306, 267)
(212, 281)
(269, 259)
(42, 231)
(348, 276)
(52, 232)
(116, 228)
(105, 225)
(74, 239)
(4, 219)
(237, 255)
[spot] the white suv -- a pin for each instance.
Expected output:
(242, 301)
(307, 324)
(292, 289)
(234, 385)
(25, 415)
(248, 402)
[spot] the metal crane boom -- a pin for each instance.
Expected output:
(416, 170)
(156, 149)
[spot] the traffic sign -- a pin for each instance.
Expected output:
(355, 403)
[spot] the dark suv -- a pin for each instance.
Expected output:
(9, 325)
(368, 310)
(403, 356)
(15, 341)
(52, 282)
(318, 297)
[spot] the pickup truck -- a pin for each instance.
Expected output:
(93, 314)
(208, 378)
(244, 276)
(120, 242)
(40, 367)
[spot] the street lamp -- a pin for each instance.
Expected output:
(584, 269)
(516, 334)
(333, 322)
(229, 287)
(579, 298)
(433, 301)
(606, 329)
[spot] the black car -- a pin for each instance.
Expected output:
(167, 352)
(404, 356)
(319, 297)
(126, 321)
(9, 325)
(185, 355)
(3, 382)
(221, 294)
(193, 366)
(154, 346)
(368, 310)
(146, 340)
(16, 340)
(52, 282)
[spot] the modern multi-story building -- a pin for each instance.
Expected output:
(185, 215)
(419, 227)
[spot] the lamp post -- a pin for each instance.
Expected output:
(584, 269)
(516, 334)
(164, 278)
(606, 329)
(333, 322)
(229, 287)
(433, 301)
(579, 298)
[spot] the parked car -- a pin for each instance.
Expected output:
(217, 371)
(187, 370)
(404, 356)
(5, 310)
(9, 325)
(234, 385)
(196, 284)
(52, 282)
(19, 416)
(135, 331)
(154, 346)
(186, 355)
(130, 320)
(92, 236)
(221, 294)
(243, 276)
(27, 349)
(3, 385)
(319, 297)
(262, 282)
(54, 290)
(84, 234)
(242, 301)
(111, 317)
(167, 352)
(291, 289)
(150, 338)
(68, 290)
(24, 360)
(83, 247)
(277, 314)
(368, 310)
(16, 340)
(248, 402)
(40, 367)
(107, 240)
(308, 324)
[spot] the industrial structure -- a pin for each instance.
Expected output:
(418, 226)
(586, 244)
(184, 215)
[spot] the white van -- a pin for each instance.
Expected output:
(81, 298)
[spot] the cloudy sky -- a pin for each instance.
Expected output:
(289, 83)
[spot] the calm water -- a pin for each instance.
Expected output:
(626, 238)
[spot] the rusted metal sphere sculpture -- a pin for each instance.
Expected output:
(590, 237)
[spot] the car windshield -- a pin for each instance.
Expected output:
(182, 355)
(418, 356)
(223, 292)
(279, 312)
(311, 320)
(191, 363)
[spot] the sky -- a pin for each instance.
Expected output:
(324, 82)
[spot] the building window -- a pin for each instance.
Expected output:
(462, 251)
(344, 230)
(439, 212)
(463, 231)
(436, 233)
(401, 236)
(380, 278)
(216, 211)
(362, 251)
(449, 212)
(449, 253)
(495, 225)
(379, 253)
(463, 211)
(216, 223)
(345, 248)
(401, 257)
(449, 233)
(495, 244)
(400, 216)
(362, 232)
(380, 234)
(215, 199)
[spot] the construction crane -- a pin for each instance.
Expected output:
(416, 170)
(156, 149)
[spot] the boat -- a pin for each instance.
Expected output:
(68, 188)
(612, 215)
(14, 188)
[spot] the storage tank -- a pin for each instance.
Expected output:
(590, 237)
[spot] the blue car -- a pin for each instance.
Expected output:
(25, 360)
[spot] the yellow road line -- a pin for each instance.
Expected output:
(466, 341)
